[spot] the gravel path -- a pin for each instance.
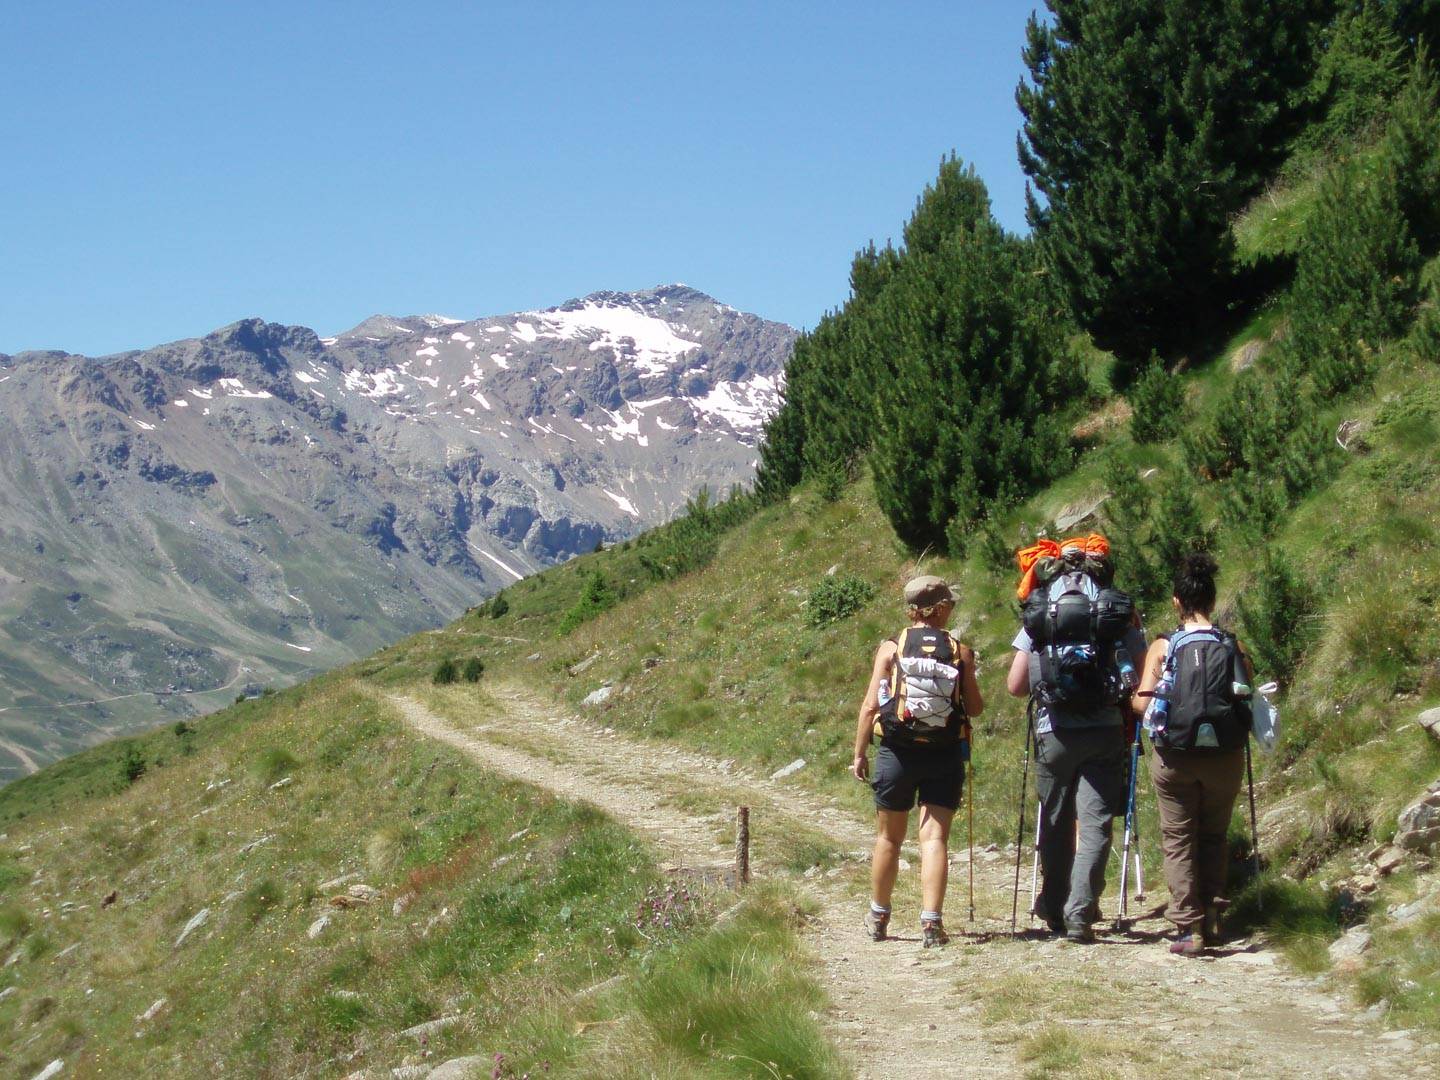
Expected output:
(989, 1005)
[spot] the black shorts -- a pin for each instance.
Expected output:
(933, 775)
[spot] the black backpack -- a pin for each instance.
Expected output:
(1204, 714)
(938, 723)
(1074, 639)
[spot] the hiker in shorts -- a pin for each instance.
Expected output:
(1075, 660)
(921, 696)
(1194, 691)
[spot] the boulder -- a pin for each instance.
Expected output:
(1418, 827)
(1079, 512)
(1430, 721)
(153, 1011)
(53, 1069)
(199, 919)
(598, 697)
(431, 1027)
(1245, 356)
(788, 770)
(584, 665)
(318, 926)
(1388, 859)
(1347, 950)
(462, 1068)
(364, 893)
(282, 782)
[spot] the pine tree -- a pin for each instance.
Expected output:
(977, 364)
(1148, 123)
(1412, 151)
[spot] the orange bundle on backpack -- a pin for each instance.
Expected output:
(1042, 555)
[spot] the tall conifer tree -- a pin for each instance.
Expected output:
(1148, 123)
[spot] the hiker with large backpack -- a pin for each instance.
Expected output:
(1075, 660)
(1195, 695)
(921, 698)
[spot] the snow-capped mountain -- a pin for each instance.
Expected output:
(239, 509)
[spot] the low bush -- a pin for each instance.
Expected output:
(596, 597)
(1156, 400)
(1278, 618)
(473, 670)
(445, 672)
(836, 598)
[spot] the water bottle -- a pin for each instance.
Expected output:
(1129, 678)
(1159, 710)
(884, 694)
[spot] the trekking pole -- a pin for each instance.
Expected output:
(970, 779)
(1122, 921)
(1254, 831)
(1020, 830)
(1035, 859)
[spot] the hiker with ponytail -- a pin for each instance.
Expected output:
(1194, 692)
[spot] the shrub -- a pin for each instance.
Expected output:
(836, 598)
(445, 672)
(1277, 614)
(499, 606)
(830, 481)
(472, 671)
(274, 763)
(596, 596)
(132, 764)
(1156, 398)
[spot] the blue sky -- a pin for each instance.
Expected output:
(169, 168)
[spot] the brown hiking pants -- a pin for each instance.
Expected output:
(1196, 793)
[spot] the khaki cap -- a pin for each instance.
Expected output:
(927, 590)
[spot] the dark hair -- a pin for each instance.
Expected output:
(1195, 583)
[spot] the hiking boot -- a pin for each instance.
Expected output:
(1211, 930)
(1080, 933)
(877, 925)
(933, 933)
(1187, 944)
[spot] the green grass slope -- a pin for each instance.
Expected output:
(257, 826)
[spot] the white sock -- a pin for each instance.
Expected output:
(929, 916)
(878, 910)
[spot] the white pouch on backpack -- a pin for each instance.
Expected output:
(1264, 718)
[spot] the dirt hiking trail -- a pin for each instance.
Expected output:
(988, 1005)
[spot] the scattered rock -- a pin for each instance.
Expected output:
(66, 951)
(199, 919)
(345, 995)
(402, 904)
(833, 570)
(253, 844)
(583, 666)
(1388, 860)
(904, 864)
(363, 893)
(519, 835)
(410, 1072)
(533, 656)
(284, 782)
(1245, 356)
(598, 697)
(1404, 914)
(53, 1069)
(110, 898)
(153, 1011)
(6, 992)
(650, 663)
(813, 871)
(1430, 721)
(1351, 435)
(337, 882)
(318, 926)
(431, 1027)
(461, 1068)
(216, 785)
(1347, 950)
(1419, 823)
(788, 770)
(1078, 512)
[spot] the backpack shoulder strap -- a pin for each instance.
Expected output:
(957, 696)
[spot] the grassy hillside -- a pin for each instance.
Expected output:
(510, 903)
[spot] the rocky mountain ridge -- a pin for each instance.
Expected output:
(184, 522)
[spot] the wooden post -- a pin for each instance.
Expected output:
(742, 846)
